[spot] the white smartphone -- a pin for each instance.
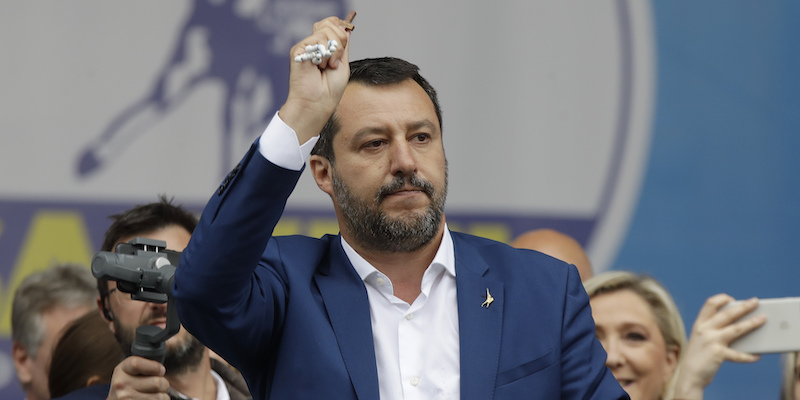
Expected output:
(781, 332)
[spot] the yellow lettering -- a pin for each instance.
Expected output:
(54, 237)
(287, 226)
(320, 227)
(496, 231)
(455, 226)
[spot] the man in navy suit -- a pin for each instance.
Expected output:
(396, 306)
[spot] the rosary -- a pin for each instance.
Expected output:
(318, 52)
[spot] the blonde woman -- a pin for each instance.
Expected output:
(644, 336)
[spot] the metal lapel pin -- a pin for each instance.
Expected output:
(489, 299)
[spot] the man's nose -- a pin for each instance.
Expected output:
(161, 306)
(403, 159)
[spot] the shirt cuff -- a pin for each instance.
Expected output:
(279, 145)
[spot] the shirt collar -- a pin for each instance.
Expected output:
(222, 390)
(445, 256)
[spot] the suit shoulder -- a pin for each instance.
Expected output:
(509, 259)
(300, 246)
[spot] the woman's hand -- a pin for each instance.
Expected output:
(713, 331)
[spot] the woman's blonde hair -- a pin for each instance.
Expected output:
(661, 304)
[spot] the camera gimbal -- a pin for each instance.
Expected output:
(145, 269)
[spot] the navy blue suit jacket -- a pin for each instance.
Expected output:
(94, 392)
(293, 316)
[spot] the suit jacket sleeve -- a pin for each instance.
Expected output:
(583, 358)
(222, 286)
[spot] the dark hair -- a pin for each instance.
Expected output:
(85, 349)
(142, 219)
(375, 72)
(145, 218)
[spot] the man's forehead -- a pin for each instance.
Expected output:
(367, 106)
(176, 236)
(384, 88)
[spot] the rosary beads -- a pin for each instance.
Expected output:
(317, 52)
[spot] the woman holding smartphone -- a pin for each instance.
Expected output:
(643, 334)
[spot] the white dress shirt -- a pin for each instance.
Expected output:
(416, 345)
(222, 390)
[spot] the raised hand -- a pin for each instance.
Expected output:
(713, 331)
(315, 89)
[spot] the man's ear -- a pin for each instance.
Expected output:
(94, 379)
(321, 169)
(22, 363)
(105, 311)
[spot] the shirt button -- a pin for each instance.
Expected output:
(410, 317)
(380, 281)
(415, 381)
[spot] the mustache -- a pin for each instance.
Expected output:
(399, 182)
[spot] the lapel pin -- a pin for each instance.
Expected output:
(489, 299)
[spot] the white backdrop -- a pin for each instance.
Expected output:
(547, 110)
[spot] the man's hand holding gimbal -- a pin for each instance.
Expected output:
(139, 378)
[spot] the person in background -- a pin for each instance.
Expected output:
(559, 245)
(188, 370)
(643, 334)
(43, 304)
(641, 329)
(85, 355)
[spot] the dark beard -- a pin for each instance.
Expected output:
(184, 356)
(374, 230)
(181, 357)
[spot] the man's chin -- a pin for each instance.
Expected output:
(184, 352)
(177, 339)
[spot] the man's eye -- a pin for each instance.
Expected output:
(422, 137)
(373, 143)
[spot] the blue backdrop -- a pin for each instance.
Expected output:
(718, 210)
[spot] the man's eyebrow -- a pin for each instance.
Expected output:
(368, 130)
(421, 124)
(412, 126)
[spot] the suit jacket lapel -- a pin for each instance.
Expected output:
(346, 302)
(480, 324)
